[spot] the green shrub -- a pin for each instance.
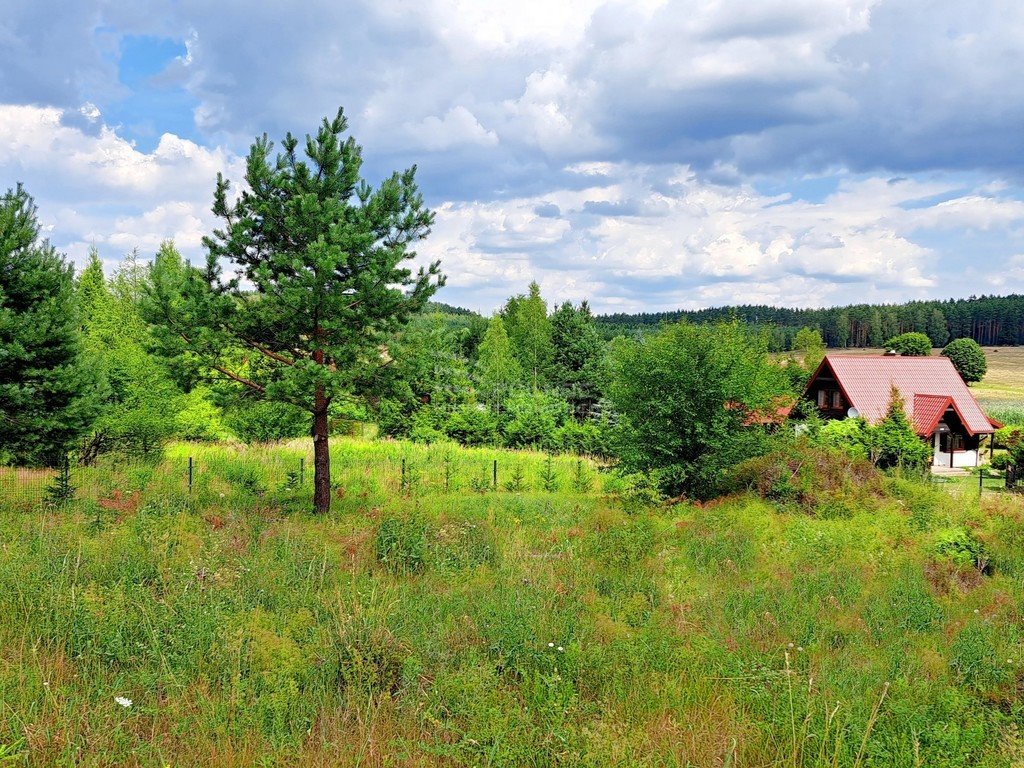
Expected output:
(534, 419)
(266, 421)
(1001, 461)
(819, 480)
(850, 435)
(249, 476)
(584, 437)
(472, 425)
(961, 547)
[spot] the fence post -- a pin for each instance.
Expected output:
(302, 470)
(190, 475)
(981, 481)
(447, 472)
(403, 475)
(495, 474)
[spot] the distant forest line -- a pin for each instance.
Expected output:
(989, 320)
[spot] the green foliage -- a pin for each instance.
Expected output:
(894, 441)
(976, 661)
(472, 425)
(682, 397)
(911, 344)
(317, 278)
(962, 548)
(529, 330)
(48, 392)
(586, 437)
(142, 400)
(61, 491)
(199, 419)
(854, 436)
(497, 371)
(533, 419)
(548, 476)
(968, 358)
(579, 366)
(426, 366)
(821, 481)
(262, 421)
(808, 342)
(401, 543)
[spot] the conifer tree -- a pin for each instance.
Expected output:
(577, 368)
(308, 273)
(91, 289)
(46, 394)
(894, 441)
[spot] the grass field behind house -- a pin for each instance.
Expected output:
(415, 626)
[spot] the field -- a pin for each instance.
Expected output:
(559, 623)
(1001, 392)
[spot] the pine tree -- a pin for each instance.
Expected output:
(91, 289)
(317, 278)
(894, 441)
(46, 394)
(497, 370)
(578, 365)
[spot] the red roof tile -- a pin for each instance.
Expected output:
(927, 411)
(923, 382)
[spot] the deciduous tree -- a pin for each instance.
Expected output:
(968, 358)
(911, 344)
(684, 399)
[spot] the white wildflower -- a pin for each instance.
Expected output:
(123, 701)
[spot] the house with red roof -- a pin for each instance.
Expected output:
(938, 402)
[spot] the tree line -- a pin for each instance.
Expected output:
(988, 320)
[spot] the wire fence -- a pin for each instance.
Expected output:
(117, 482)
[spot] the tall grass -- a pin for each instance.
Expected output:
(414, 626)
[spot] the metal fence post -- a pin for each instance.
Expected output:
(403, 475)
(190, 474)
(495, 474)
(302, 470)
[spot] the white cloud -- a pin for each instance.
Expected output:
(99, 189)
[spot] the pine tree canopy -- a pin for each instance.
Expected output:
(308, 271)
(46, 392)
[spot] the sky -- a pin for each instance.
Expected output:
(646, 155)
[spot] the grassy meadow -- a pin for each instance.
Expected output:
(554, 620)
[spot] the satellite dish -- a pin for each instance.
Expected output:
(852, 413)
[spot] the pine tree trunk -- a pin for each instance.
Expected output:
(321, 456)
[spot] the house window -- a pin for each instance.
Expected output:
(830, 398)
(956, 442)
